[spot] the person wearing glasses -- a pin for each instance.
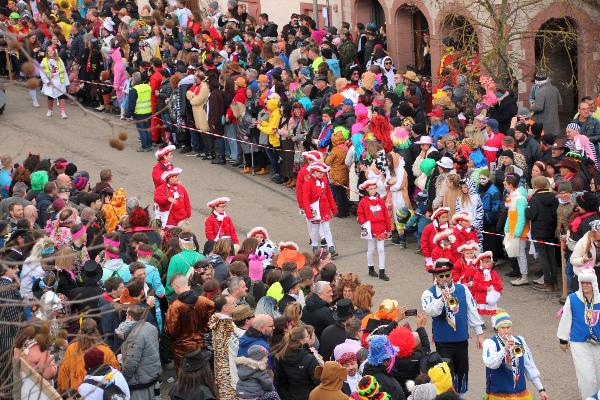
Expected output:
(453, 311)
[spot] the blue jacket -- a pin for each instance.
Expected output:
(153, 279)
(250, 338)
(43, 201)
(490, 198)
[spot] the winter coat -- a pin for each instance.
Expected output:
(317, 313)
(542, 214)
(91, 391)
(269, 126)
(42, 202)
(111, 316)
(141, 362)
(186, 322)
(503, 111)
(296, 374)
(215, 229)
(407, 368)
(387, 383)
(490, 199)
(516, 222)
(545, 108)
(300, 179)
(220, 266)
(318, 189)
(119, 74)
(339, 173)
(332, 377)
(254, 380)
(71, 372)
(531, 150)
(178, 211)
(237, 107)
(222, 328)
(250, 338)
(332, 336)
(198, 97)
(216, 108)
(374, 209)
(589, 128)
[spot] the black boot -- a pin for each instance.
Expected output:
(383, 276)
(220, 160)
(395, 237)
(372, 271)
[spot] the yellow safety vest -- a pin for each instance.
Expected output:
(61, 69)
(144, 93)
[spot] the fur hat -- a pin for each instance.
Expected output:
(471, 246)
(446, 234)
(380, 349)
(216, 202)
(402, 337)
(367, 184)
(171, 172)
(440, 211)
(288, 245)
(256, 230)
(461, 216)
(318, 166)
(139, 217)
(164, 151)
(484, 255)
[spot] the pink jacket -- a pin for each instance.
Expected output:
(118, 72)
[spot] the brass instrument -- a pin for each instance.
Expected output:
(517, 349)
(451, 301)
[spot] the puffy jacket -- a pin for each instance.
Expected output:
(490, 199)
(317, 313)
(254, 381)
(296, 374)
(339, 173)
(141, 362)
(542, 214)
(43, 201)
(269, 126)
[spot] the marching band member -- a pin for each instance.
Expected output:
(219, 225)
(453, 311)
(372, 215)
(579, 330)
(319, 206)
(509, 363)
(172, 199)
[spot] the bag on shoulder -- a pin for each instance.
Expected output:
(110, 391)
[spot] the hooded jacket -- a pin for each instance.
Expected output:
(296, 373)
(332, 376)
(186, 322)
(317, 313)
(387, 382)
(339, 174)
(269, 126)
(254, 380)
(116, 267)
(250, 338)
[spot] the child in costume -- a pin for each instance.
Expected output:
(172, 199)
(465, 267)
(439, 222)
(442, 247)
(164, 162)
(256, 260)
(319, 205)
(372, 215)
(463, 231)
(219, 225)
(486, 281)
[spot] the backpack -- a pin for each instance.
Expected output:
(110, 391)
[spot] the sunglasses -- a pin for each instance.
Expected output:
(444, 276)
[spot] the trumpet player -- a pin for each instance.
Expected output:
(509, 363)
(453, 311)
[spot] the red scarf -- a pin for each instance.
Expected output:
(574, 225)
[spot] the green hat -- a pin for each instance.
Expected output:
(38, 180)
(14, 15)
(484, 172)
(186, 39)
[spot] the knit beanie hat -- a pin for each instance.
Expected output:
(257, 352)
(93, 358)
(501, 318)
(440, 377)
(508, 153)
(368, 388)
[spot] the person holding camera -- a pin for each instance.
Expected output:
(453, 311)
(508, 363)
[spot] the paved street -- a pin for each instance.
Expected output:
(257, 201)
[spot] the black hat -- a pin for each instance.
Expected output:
(344, 309)
(288, 282)
(508, 153)
(588, 201)
(195, 360)
(548, 139)
(521, 127)
(91, 271)
(419, 129)
(441, 265)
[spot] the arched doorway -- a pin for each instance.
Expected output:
(412, 33)
(369, 11)
(556, 54)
